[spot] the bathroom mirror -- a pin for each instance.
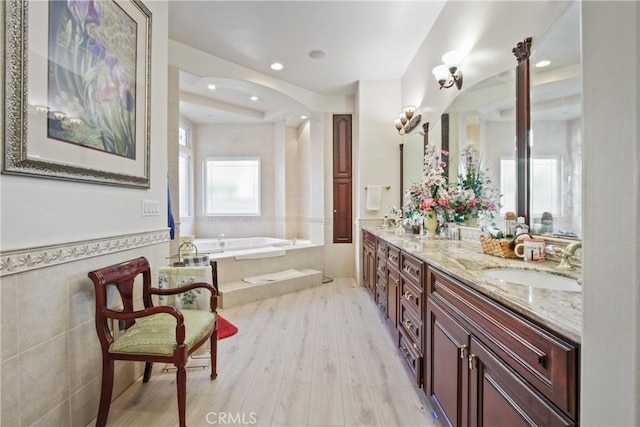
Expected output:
(484, 114)
(556, 129)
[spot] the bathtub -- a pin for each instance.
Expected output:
(244, 258)
(214, 246)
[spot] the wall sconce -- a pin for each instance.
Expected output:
(448, 74)
(408, 120)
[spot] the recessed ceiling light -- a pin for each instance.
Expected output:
(542, 63)
(303, 117)
(211, 87)
(317, 54)
(254, 98)
(277, 66)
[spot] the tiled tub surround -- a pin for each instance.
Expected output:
(559, 311)
(50, 355)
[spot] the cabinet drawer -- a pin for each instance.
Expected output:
(369, 241)
(381, 302)
(545, 360)
(412, 356)
(381, 264)
(381, 283)
(393, 257)
(412, 325)
(411, 295)
(382, 248)
(411, 268)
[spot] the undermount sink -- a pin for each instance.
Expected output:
(533, 278)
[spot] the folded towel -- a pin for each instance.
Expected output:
(374, 197)
(198, 299)
(196, 260)
(272, 277)
(173, 277)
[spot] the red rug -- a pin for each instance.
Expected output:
(225, 328)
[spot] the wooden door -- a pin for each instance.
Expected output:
(342, 179)
(446, 370)
(500, 397)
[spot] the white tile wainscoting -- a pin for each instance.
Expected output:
(50, 362)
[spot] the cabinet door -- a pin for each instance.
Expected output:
(369, 268)
(393, 282)
(498, 396)
(445, 366)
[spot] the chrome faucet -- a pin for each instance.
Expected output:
(220, 236)
(566, 256)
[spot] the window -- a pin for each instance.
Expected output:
(185, 167)
(508, 186)
(184, 136)
(232, 186)
(184, 175)
(545, 188)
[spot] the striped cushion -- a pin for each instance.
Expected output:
(155, 335)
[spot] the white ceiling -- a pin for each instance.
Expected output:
(363, 40)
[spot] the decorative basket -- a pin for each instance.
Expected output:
(496, 247)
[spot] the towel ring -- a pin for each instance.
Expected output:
(190, 244)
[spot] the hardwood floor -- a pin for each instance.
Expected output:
(317, 357)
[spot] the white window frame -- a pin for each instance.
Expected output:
(253, 165)
(185, 200)
(556, 191)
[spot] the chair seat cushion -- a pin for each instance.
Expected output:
(155, 335)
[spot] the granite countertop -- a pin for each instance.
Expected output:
(559, 311)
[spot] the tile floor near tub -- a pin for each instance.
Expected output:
(320, 356)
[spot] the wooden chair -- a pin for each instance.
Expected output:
(155, 334)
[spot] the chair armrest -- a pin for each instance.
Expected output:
(132, 315)
(213, 302)
(180, 333)
(185, 288)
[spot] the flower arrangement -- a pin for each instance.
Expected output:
(429, 197)
(474, 194)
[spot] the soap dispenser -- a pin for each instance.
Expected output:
(520, 226)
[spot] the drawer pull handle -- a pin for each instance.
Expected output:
(393, 258)
(397, 281)
(542, 360)
(408, 324)
(463, 348)
(408, 295)
(405, 352)
(471, 358)
(408, 269)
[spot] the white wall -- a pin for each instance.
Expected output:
(376, 153)
(611, 296)
(50, 357)
(253, 140)
(37, 211)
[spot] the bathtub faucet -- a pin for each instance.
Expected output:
(220, 236)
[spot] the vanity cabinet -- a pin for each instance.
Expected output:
(369, 261)
(410, 320)
(381, 276)
(487, 365)
(393, 286)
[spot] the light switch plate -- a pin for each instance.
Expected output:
(150, 207)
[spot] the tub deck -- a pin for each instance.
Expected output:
(234, 267)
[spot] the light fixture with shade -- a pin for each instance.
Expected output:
(449, 74)
(408, 120)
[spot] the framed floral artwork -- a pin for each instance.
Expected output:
(77, 90)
